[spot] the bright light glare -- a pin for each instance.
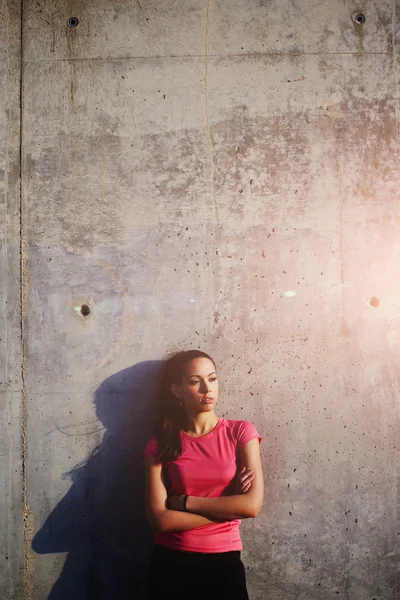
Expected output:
(289, 294)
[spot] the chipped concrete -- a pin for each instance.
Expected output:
(221, 175)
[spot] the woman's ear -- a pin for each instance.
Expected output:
(175, 390)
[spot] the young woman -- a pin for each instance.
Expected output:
(203, 474)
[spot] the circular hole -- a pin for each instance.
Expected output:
(85, 310)
(73, 22)
(373, 302)
(359, 18)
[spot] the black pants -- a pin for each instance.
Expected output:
(196, 576)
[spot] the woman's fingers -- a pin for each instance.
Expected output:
(244, 478)
(246, 482)
(246, 488)
(248, 479)
(246, 474)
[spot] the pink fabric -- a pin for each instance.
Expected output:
(207, 468)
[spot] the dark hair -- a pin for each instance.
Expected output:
(170, 415)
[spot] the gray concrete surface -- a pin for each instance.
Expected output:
(222, 175)
(11, 474)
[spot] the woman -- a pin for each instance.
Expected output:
(203, 474)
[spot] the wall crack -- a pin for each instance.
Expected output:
(27, 514)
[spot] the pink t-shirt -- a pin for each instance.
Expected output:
(207, 468)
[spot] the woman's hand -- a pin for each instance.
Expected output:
(243, 480)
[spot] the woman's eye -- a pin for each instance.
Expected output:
(213, 379)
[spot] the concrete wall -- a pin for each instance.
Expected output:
(11, 397)
(223, 176)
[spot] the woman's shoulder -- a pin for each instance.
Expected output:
(152, 448)
(236, 424)
(242, 431)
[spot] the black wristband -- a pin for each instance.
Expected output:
(184, 503)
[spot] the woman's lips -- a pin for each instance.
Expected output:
(207, 401)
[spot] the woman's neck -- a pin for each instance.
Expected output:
(197, 425)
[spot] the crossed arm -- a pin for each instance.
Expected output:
(165, 514)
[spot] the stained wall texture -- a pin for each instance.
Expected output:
(222, 175)
(11, 405)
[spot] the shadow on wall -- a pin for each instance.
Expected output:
(101, 521)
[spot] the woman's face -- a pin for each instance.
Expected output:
(198, 389)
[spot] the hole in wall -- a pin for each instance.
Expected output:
(373, 302)
(85, 310)
(73, 22)
(359, 18)
(82, 308)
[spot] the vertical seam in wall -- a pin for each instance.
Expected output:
(24, 278)
(396, 75)
(214, 207)
(208, 129)
(4, 258)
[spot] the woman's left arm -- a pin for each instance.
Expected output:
(241, 506)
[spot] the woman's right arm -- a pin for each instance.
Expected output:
(161, 518)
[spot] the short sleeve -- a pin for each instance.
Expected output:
(151, 449)
(247, 432)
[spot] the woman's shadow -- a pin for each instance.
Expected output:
(101, 521)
